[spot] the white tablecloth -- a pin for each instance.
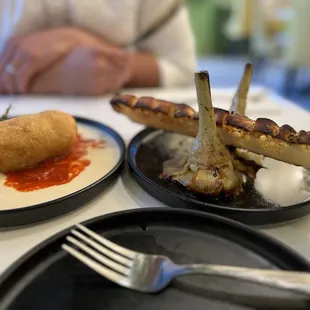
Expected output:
(126, 194)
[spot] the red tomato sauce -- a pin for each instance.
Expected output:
(56, 171)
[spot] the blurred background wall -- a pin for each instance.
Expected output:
(273, 34)
(227, 26)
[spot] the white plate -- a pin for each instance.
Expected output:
(102, 162)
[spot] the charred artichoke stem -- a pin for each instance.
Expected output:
(239, 101)
(238, 106)
(209, 168)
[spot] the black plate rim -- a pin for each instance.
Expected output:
(147, 131)
(284, 250)
(108, 178)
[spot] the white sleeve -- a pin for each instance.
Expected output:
(20, 17)
(173, 45)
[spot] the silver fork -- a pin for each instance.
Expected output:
(152, 273)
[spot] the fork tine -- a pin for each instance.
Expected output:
(102, 270)
(102, 259)
(114, 247)
(113, 255)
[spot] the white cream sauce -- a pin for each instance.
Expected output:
(102, 162)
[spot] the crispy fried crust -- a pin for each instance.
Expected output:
(262, 136)
(27, 140)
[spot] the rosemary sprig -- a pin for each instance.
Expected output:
(5, 115)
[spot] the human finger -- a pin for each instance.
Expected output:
(119, 59)
(10, 46)
(111, 77)
(27, 70)
(116, 56)
(10, 73)
(5, 60)
(31, 66)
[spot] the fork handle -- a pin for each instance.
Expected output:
(288, 280)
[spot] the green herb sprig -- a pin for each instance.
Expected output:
(5, 115)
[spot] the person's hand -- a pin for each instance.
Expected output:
(86, 71)
(24, 57)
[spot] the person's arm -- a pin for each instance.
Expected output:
(93, 67)
(86, 71)
(166, 58)
(42, 55)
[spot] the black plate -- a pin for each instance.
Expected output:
(150, 148)
(48, 278)
(35, 213)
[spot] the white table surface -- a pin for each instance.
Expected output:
(126, 194)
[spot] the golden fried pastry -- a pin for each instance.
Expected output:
(30, 139)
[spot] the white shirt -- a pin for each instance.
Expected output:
(119, 21)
